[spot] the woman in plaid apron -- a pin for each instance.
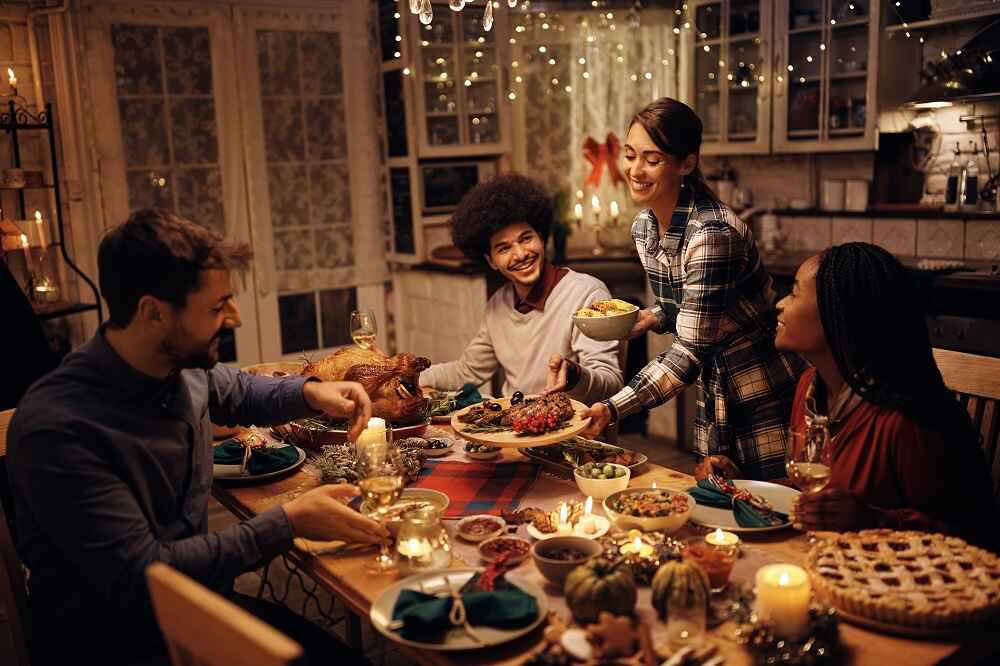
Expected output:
(712, 293)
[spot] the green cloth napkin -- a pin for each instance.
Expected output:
(262, 461)
(706, 494)
(425, 617)
(467, 395)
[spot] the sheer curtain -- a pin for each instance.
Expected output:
(586, 79)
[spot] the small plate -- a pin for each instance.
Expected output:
(500, 523)
(600, 522)
(231, 473)
(455, 639)
(782, 498)
(439, 453)
(574, 641)
(512, 561)
(489, 455)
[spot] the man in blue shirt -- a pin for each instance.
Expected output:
(110, 455)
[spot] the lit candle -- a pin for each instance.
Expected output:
(595, 204)
(720, 538)
(42, 240)
(374, 432)
(414, 547)
(11, 79)
(27, 251)
(637, 547)
(564, 527)
(653, 485)
(579, 194)
(783, 594)
(578, 212)
(613, 207)
(587, 523)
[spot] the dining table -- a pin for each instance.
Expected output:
(343, 574)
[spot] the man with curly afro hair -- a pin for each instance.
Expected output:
(528, 325)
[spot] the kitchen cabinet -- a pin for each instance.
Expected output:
(730, 83)
(459, 77)
(792, 76)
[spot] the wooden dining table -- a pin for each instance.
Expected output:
(344, 576)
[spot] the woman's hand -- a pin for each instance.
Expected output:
(321, 515)
(646, 322)
(717, 465)
(600, 417)
(559, 373)
(831, 509)
(341, 399)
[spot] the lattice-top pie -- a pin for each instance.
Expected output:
(913, 579)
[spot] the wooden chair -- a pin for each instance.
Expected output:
(204, 629)
(13, 593)
(976, 380)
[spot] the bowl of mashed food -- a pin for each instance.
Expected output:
(606, 320)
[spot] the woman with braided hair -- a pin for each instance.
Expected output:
(903, 451)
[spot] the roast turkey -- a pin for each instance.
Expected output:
(392, 383)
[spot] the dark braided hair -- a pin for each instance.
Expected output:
(873, 319)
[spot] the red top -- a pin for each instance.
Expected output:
(912, 477)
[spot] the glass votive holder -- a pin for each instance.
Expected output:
(422, 543)
(687, 618)
(715, 560)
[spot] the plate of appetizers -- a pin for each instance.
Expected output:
(521, 421)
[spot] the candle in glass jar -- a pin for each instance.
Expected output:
(720, 538)
(783, 594)
(374, 432)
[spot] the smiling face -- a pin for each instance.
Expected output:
(191, 337)
(800, 328)
(518, 253)
(653, 176)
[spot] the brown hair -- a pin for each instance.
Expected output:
(158, 253)
(676, 130)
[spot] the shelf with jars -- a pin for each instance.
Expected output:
(457, 72)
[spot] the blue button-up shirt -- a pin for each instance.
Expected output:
(111, 470)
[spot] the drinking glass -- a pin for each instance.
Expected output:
(364, 328)
(381, 477)
(807, 459)
(422, 543)
(687, 617)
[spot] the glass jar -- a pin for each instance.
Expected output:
(422, 543)
(715, 560)
(687, 617)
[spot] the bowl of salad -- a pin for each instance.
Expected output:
(649, 508)
(610, 319)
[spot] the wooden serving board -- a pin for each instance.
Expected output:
(511, 440)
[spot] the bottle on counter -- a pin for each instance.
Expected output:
(954, 178)
(969, 195)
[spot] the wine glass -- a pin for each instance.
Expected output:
(364, 328)
(807, 459)
(381, 477)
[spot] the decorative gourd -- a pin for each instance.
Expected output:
(680, 583)
(600, 585)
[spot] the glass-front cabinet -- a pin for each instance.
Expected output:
(460, 87)
(730, 83)
(825, 75)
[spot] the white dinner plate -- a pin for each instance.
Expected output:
(454, 639)
(780, 497)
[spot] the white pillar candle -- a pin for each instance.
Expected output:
(783, 594)
(564, 527)
(374, 432)
(587, 523)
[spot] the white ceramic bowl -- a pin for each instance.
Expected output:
(601, 488)
(668, 524)
(608, 327)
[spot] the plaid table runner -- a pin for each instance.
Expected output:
(478, 487)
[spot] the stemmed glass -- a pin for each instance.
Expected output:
(381, 477)
(364, 328)
(807, 459)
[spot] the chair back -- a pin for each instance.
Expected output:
(201, 628)
(13, 593)
(976, 380)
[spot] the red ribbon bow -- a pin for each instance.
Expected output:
(599, 154)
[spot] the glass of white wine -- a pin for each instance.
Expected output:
(381, 477)
(807, 459)
(364, 328)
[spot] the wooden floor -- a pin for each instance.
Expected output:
(661, 452)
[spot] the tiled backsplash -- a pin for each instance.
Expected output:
(972, 240)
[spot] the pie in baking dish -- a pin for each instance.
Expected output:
(911, 579)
